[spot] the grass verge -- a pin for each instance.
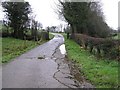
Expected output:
(51, 36)
(101, 73)
(12, 48)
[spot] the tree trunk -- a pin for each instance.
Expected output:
(21, 34)
(15, 33)
(74, 29)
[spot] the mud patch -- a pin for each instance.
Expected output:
(77, 76)
(62, 75)
(41, 57)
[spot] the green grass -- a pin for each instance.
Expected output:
(0, 28)
(12, 48)
(101, 73)
(51, 36)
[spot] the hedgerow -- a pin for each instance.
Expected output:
(108, 48)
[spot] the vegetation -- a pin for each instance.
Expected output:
(17, 17)
(51, 36)
(12, 48)
(102, 73)
(44, 36)
(116, 36)
(0, 26)
(35, 27)
(88, 28)
(84, 17)
(19, 23)
(99, 46)
(0, 50)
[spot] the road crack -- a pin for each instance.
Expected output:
(54, 76)
(59, 60)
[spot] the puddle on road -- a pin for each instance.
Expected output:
(62, 49)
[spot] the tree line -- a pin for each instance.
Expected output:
(19, 21)
(88, 28)
(84, 17)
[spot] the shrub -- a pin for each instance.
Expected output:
(109, 47)
(44, 35)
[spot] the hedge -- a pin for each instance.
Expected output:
(103, 47)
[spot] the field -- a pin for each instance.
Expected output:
(101, 73)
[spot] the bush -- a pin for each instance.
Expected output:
(114, 53)
(44, 35)
(109, 47)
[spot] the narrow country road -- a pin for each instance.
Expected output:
(41, 67)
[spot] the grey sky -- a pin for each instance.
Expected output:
(44, 11)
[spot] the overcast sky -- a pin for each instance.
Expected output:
(45, 12)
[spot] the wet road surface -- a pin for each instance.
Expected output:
(42, 67)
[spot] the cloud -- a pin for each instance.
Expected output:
(110, 9)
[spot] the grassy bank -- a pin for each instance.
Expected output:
(101, 73)
(0, 50)
(51, 36)
(12, 48)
